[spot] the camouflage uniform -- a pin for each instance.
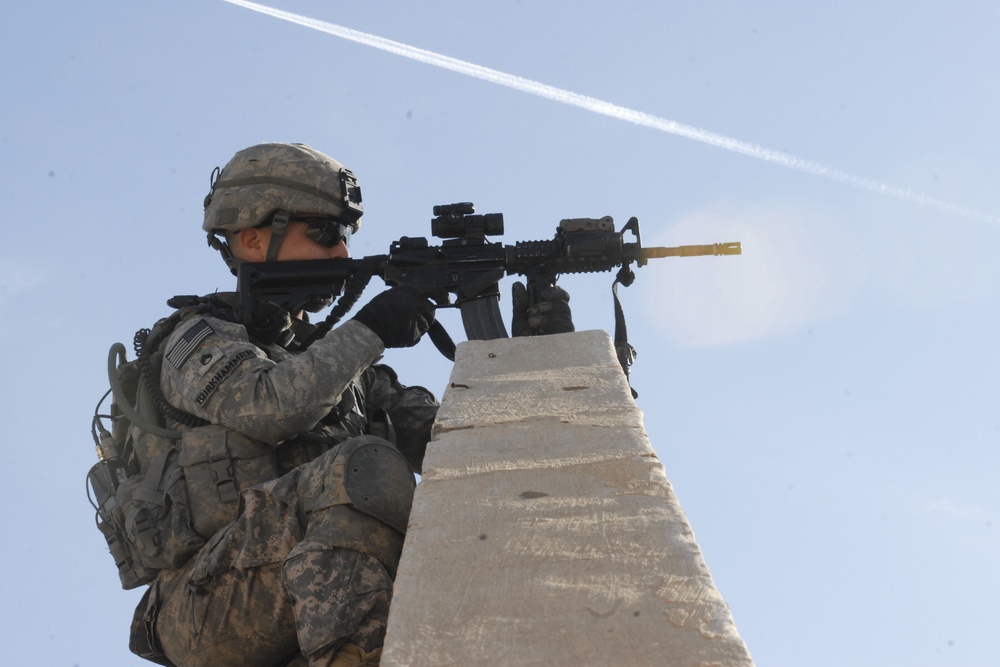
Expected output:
(296, 578)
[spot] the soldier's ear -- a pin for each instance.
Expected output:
(250, 244)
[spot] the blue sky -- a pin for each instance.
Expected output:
(825, 405)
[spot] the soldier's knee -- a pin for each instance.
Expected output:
(358, 497)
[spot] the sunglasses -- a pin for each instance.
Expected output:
(327, 232)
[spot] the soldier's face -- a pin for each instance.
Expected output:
(251, 244)
(296, 245)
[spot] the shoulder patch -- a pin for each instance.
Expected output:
(183, 348)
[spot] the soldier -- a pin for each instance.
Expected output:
(297, 569)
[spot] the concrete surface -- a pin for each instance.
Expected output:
(544, 530)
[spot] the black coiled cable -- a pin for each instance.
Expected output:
(143, 355)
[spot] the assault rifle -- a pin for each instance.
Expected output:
(466, 264)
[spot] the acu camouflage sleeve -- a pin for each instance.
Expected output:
(211, 369)
(411, 409)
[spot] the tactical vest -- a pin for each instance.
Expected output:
(167, 480)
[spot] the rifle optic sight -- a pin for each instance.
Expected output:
(455, 221)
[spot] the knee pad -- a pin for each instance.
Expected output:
(365, 473)
(377, 479)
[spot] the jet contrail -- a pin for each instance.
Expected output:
(615, 111)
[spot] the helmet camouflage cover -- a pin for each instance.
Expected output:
(291, 177)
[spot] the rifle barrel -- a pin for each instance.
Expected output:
(693, 250)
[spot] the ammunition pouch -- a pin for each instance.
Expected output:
(184, 496)
(218, 464)
(111, 523)
(157, 519)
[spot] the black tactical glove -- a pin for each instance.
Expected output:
(400, 315)
(547, 313)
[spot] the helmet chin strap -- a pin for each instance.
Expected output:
(279, 223)
(278, 226)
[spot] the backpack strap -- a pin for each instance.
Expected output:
(153, 490)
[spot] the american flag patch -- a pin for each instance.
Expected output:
(183, 348)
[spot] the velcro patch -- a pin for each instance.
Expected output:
(183, 348)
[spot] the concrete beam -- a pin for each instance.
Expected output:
(544, 530)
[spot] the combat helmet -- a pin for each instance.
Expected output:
(267, 183)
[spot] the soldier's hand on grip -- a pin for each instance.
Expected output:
(400, 315)
(545, 311)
